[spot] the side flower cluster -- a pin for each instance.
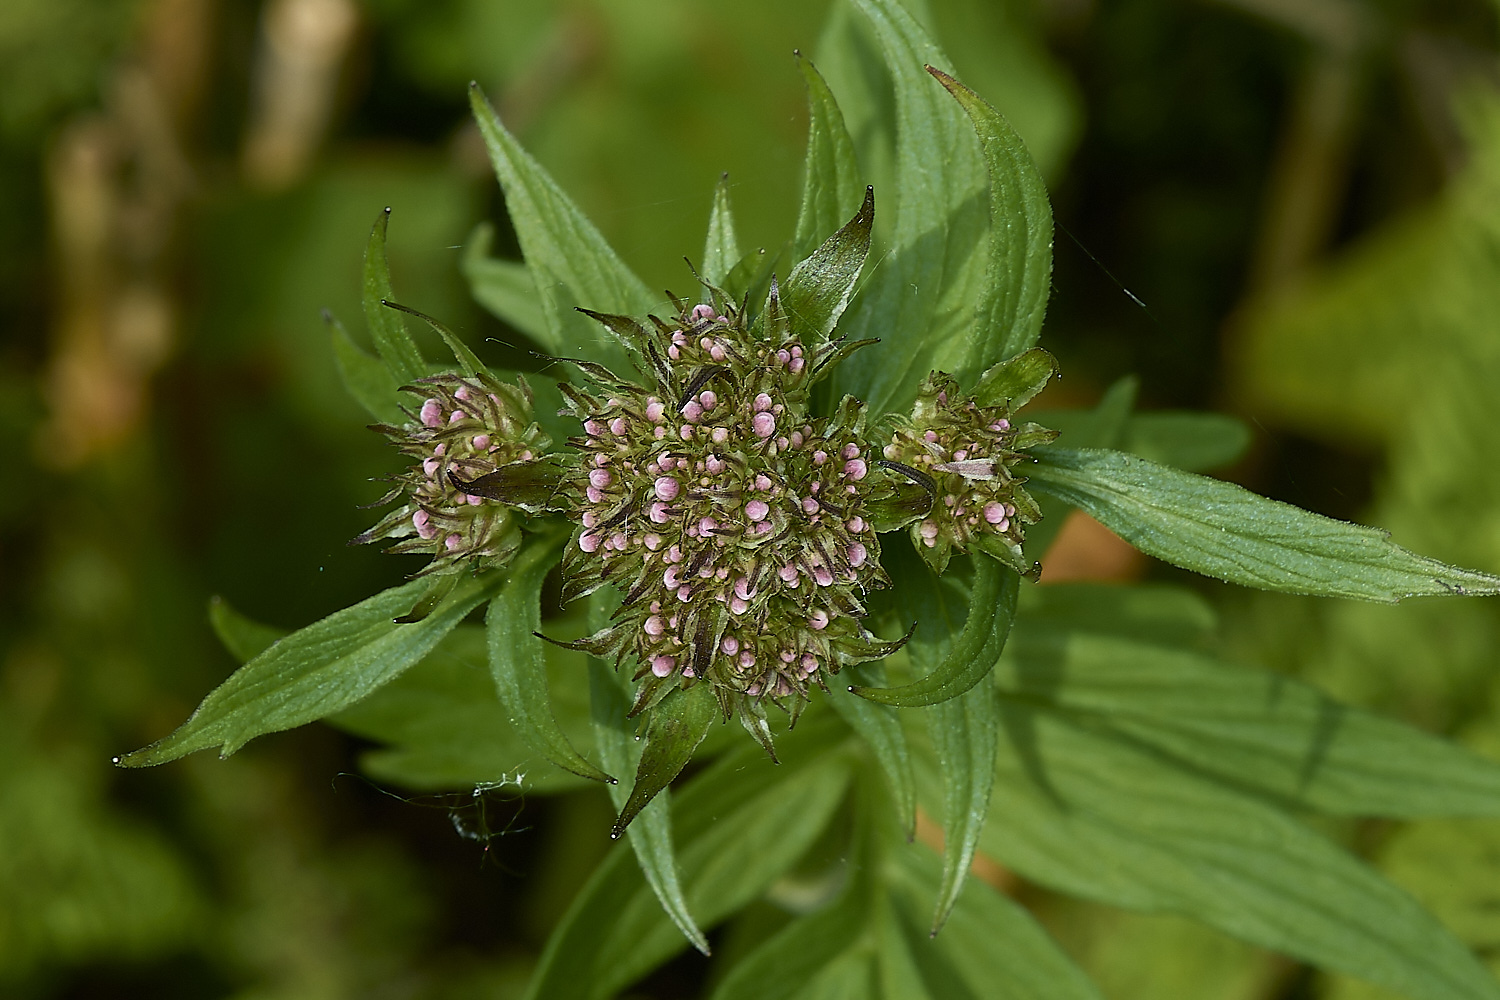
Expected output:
(463, 428)
(737, 526)
(967, 453)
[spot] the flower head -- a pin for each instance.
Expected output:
(465, 433)
(737, 526)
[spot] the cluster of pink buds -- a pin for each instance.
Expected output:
(735, 525)
(968, 452)
(464, 428)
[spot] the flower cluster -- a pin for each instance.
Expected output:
(737, 526)
(465, 428)
(968, 453)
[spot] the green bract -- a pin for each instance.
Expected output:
(771, 487)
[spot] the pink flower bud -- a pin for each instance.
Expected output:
(762, 402)
(703, 311)
(756, 510)
(764, 424)
(730, 645)
(662, 666)
(818, 619)
(666, 488)
(452, 542)
(431, 414)
(481, 441)
(600, 478)
(994, 512)
(855, 469)
(588, 542)
(456, 416)
(472, 500)
(857, 554)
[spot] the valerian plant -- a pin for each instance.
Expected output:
(805, 496)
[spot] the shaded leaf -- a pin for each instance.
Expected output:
(570, 262)
(392, 342)
(721, 249)
(880, 726)
(678, 723)
(739, 825)
(504, 287)
(366, 377)
(468, 361)
(651, 833)
(963, 732)
(830, 174)
(1103, 819)
(1221, 530)
(992, 608)
(243, 637)
(318, 670)
(1257, 730)
(517, 659)
(1018, 269)
(1192, 442)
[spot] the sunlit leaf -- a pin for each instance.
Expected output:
(830, 175)
(1221, 530)
(1018, 271)
(678, 723)
(922, 305)
(318, 670)
(569, 261)
(818, 289)
(392, 341)
(721, 248)
(1016, 380)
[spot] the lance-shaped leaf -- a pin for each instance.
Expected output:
(1103, 818)
(1015, 381)
(243, 637)
(1221, 530)
(1018, 271)
(923, 305)
(830, 175)
(504, 287)
(880, 727)
(569, 260)
(679, 722)
(964, 731)
(973, 654)
(651, 833)
(392, 341)
(518, 664)
(366, 377)
(739, 826)
(721, 249)
(318, 670)
(818, 289)
(468, 361)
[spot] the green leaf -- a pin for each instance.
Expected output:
(1255, 730)
(880, 727)
(740, 824)
(366, 377)
(830, 176)
(992, 608)
(468, 361)
(243, 637)
(721, 250)
(392, 342)
(518, 663)
(1100, 818)
(570, 262)
(818, 289)
(678, 723)
(990, 946)
(923, 304)
(1018, 271)
(1192, 442)
(1221, 530)
(318, 670)
(1016, 380)
(504, 287)
(651, 833)
(442, 727)
(1161, 613)
(964, 731)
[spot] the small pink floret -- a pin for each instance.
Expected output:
(481, 441)
(661, 666)
(738, 605)
(473, 501)
(855, 469)
(818, 619)
(764, 424)
(432, 413)
(857, 554)
(666, 488)
(762, 402)
(994, 512)
(456, 416)
(600, 478)
(588, 542)
(730, 645)
(703, 311)
(453, 541)
(756, 510)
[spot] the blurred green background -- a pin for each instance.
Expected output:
(1302, 198)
